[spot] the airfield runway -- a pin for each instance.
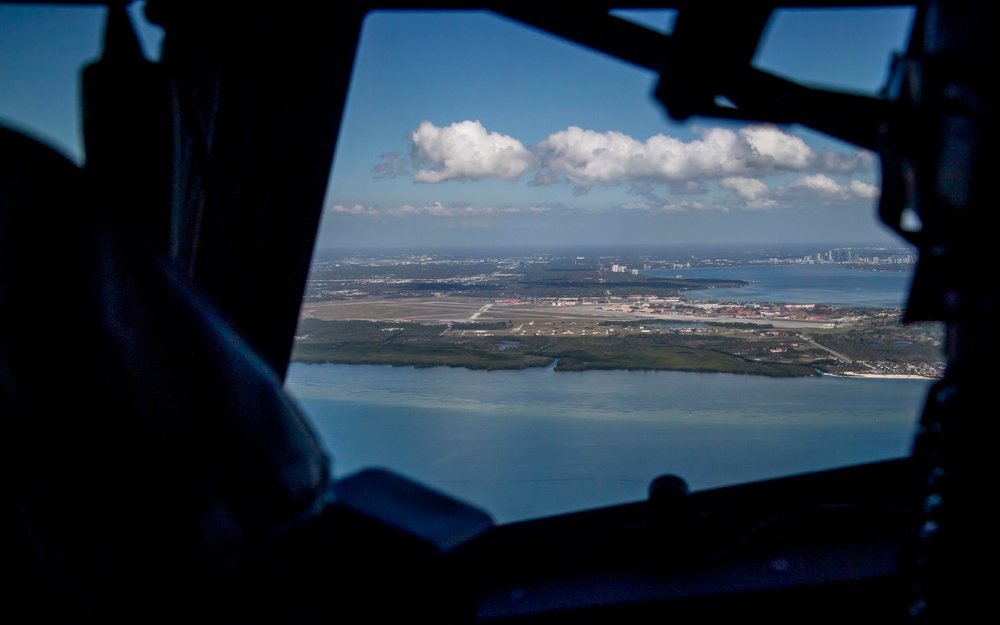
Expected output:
(454, 310)
(469, 309)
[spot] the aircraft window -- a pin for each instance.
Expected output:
(660, 20)
(486, 176)
(792, 49)
(42, 50)
(501, 198)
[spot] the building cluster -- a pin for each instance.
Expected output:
(844, 256)
(652, 304)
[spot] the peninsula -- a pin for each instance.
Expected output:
(582, 313)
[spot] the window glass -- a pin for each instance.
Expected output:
(43, 49)
(660, 20)
(515, 222)
(811, 45)
(534, 291)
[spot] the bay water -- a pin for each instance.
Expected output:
(536, 442)
(831, 284)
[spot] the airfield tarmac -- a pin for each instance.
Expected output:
(468, 309)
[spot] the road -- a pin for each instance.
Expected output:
(836, 354)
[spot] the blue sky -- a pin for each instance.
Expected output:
(466, 128)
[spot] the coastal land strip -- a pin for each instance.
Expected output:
(634, 333)
(598, 311)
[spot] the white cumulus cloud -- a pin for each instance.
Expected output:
(749, 189)
(839, 162)
(773, 149)
(682, 206)
(466, 151)
(588, 158)
(661, 170)
(356, 209)
(819, 187)
(863, 189)
(431, 209)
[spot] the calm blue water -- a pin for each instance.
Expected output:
(525, 444)
(803, 284)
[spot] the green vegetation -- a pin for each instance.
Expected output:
(406, 344)
(885, 340)
(428, 345)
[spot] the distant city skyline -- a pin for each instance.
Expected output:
(464, 128)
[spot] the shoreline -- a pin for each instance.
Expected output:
(552, 367)
(881, 376)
